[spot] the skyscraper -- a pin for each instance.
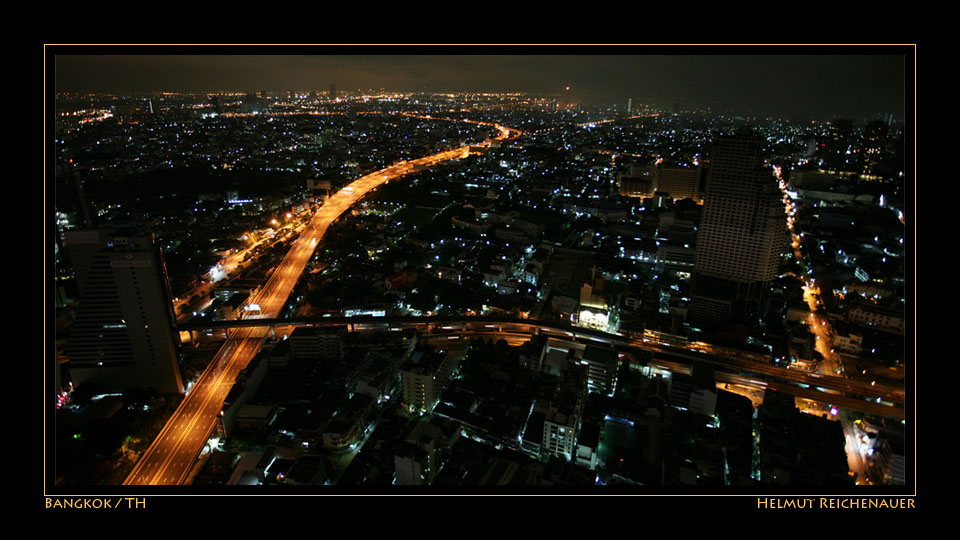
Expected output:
(123, 336)
(742, 232)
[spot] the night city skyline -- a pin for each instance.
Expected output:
(632, 269)
(795, 85)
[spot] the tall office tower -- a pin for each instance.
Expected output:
(742, 232)
(333, 91)
(123, 337)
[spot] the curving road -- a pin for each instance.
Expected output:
(169, 459)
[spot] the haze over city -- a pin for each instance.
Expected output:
(541, 271)
(769, 84)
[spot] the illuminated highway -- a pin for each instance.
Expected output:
(798, 382)
(817, 323)
(169, 459)
(172, 454)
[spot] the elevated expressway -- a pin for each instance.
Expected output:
(174, 451)
(738, 369)
(170, 457)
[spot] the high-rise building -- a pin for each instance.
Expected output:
(123, 337)
(742, 232)
(423, 377)
(333, 91)
(601, 369)
(561, 424)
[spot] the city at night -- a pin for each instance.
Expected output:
(537, 270)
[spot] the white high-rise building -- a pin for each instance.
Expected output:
(423, 377)
(123, 337)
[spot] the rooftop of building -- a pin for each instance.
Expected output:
(424, 361)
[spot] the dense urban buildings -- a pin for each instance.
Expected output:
(383, 288)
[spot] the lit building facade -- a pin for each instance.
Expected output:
(594, 310)
(314, 342)
(423, 378)
(561, 423)
(123, 336)
(742, 231)
(679, 182)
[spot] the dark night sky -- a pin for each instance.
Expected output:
(855, 86)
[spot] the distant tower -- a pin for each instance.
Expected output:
(630, 106)
(123, 336)
(333, 92)
(742, 232)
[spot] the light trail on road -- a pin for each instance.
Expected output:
(172, 454)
